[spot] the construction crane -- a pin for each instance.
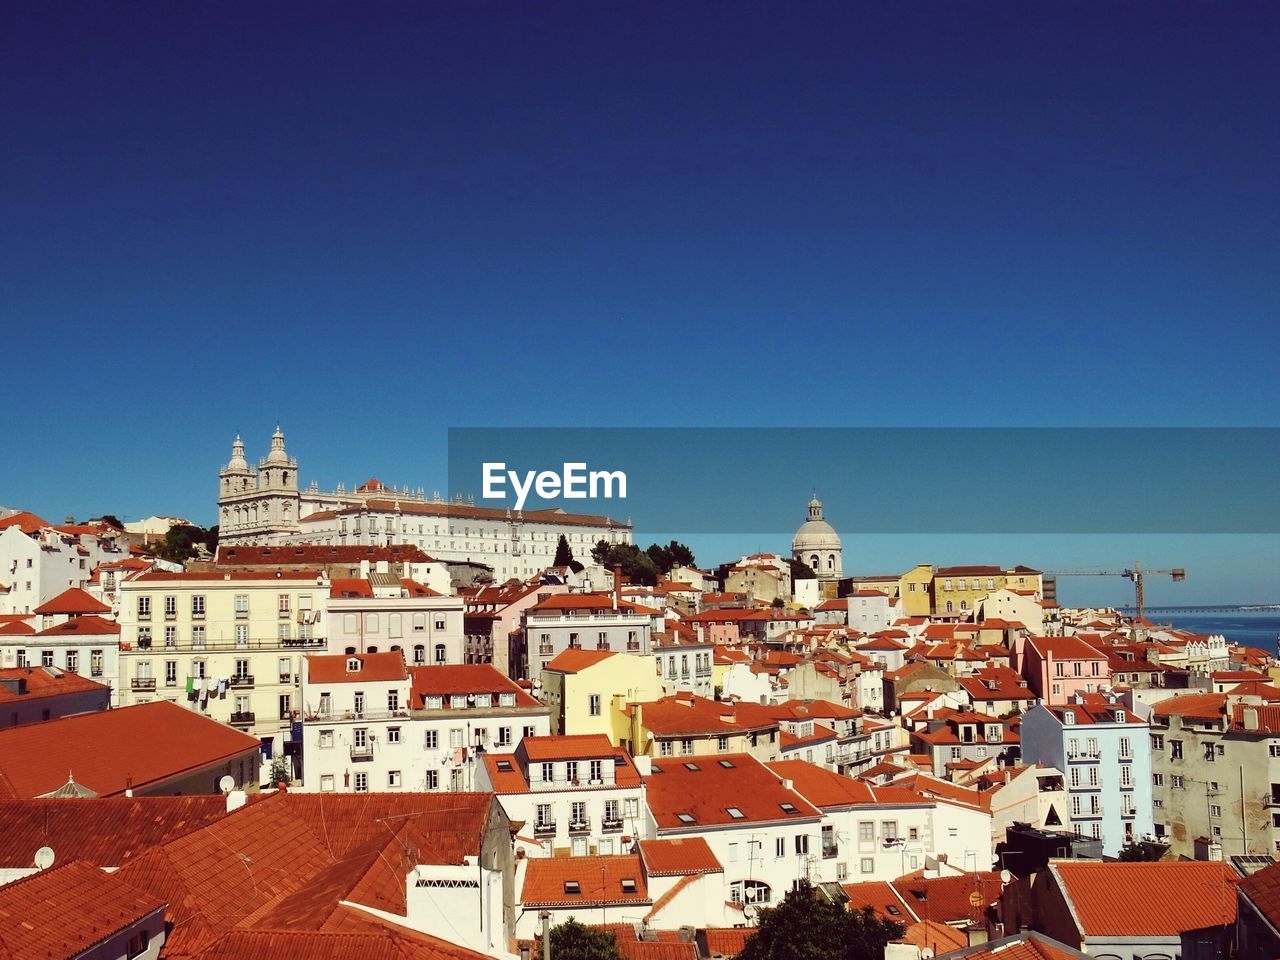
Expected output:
(1136, 574)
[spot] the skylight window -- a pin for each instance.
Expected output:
(727, 764)
(572, 887)
(504, 766)
(686, 818)
(628, 886)
(735, 813)
(788, 808)
(692, 766)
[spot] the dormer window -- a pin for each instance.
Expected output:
(435, 702)
(1068, 716)
(628, 886)
(507, 699)
(353, 665)
(1121, 717)
(572, 888)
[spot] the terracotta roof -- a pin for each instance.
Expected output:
(549, 881)
(17, 628)
(1200, 706)
(82, 626)
(946, 899)
(575, 659)
(71, 602)
(1024, 946)
(477, 678)
(28, 523)
(728, 941)
(105, 831)
(1115, 899)
(568, 747)
(217, 576)
(66, 910)
(725, 789)
(678, 857)
(312, 554)
(681, 714)
(374, 667)
(935, 936)
(826, 789)
(370, 940)
(46, 682)
(1263, 890)
(881, 897)
(106, 751)
(1064, 648)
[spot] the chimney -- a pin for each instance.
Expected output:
(1249, 715)
(617, 585)
(364, 569)
(236, 799)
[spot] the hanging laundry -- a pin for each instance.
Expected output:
(191, 685)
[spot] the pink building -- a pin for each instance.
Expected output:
(1058, 667)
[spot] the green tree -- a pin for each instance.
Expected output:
(564, 555)
(573, 941)
(799, 570)
(637, 565)
(1139, 852)
(808, 926)
(674, 554)
(180, 540)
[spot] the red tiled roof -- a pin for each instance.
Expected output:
(105, 831)
(28, 523)
(575, 659)
(1024, 946)
(728, 941)
(678, 857)
(934, 936)
(1263, 890)
(948, 897)
(599, 881)
(369, 940)
(374, 667)
(1200, 706)
(106, 751)
(1163, 898)
(44, 682)
(675, 715)
(66, 910)
(717, 785)
(215, 576)
(881, 897)
(17, 628)
(71, 602)
(567, 747)
(1064, 648)
(82, 626)
(313, 554)
(340, 587)
(467, 678)
(826, 789)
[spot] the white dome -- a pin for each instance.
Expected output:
(815, 535)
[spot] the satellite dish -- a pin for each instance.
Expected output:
(44, 858)
(226, 783)
(1005, 876)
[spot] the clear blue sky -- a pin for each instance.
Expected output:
(371, 222)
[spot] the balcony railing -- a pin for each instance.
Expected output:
(362, 753)
(242, 718)
(546, 650)
(611, 824)
(545, 828)
(241, 681)
(579, 826)
(143, 683)
(263, 643)
(633, 644)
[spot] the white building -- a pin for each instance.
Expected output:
(381, 611)
(588, 621)
(371, 725)
(266, 505)
(39, 560)
(69, 632)
(576, 795)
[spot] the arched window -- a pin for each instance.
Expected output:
(440, 653)
(950, 606)
(831, 561)
(814, 562)
(751, 891)
(419, 653)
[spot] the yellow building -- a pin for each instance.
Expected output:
(586, 690)
(957, 590)
(228, 645)
(915, 590)
(690, 726)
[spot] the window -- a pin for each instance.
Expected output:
(1125, 753)
(750, 891)
(802, 844)
(432, 739)
(137, 944)
(1075, 805)
(866, 831)
(326, 782)
(393, 778)
(593, 705)
(1215, 810)
(504, 736)
(433, 780)
(393, 734)
(1176, 782)
(393, 701)
(665, 748)
(1157, 779)
(362, 783)
(326, 739)
(242, 606)
(1175, 749)
(779, 847)
(171, 673)
(868, 865)
(1157, 742)
(686, 746)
